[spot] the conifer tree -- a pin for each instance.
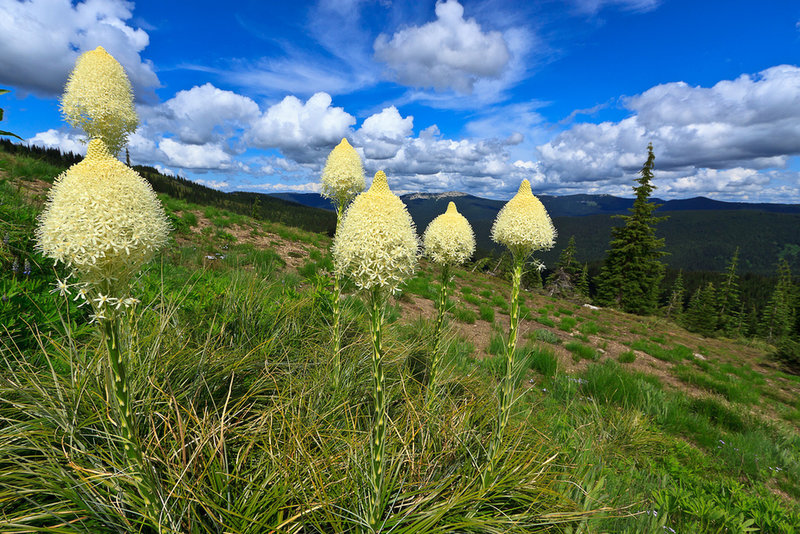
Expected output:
(675, 305)
(729, 299)
(583, 281)
(564, 279)
(632, 272)
(701, 314)
(778, 319)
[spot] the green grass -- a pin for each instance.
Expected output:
(676, 354)
(627, 357)
(567, 324)
(486, 313)
(589, 328)
(581, 352)
(464, 315)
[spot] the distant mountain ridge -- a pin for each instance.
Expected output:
(701, 234)
(563, 206)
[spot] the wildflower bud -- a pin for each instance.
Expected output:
(523, 224)
(376, 244)
(102, 219)
(343, 175)
(449, 238)
(99, 100)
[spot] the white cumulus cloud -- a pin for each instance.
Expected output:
(448, 53)
(748, 124)
(382, 134)
(301, 130)
(41, 39)
(202, 114)
(188, 156)
(64, 141)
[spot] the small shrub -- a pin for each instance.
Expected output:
(547, 336)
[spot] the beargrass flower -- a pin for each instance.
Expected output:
(102, 219)
(98, 99)
(449, 238)
(343, 175)
(342, 179)
(376, 244)
(523, 224)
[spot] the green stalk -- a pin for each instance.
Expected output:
(337, 311)
(136, 463)
(436, 359)
(378, 435)
(506, 392)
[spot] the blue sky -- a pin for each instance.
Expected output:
(470, 96)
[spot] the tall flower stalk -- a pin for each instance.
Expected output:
(376, 246)
(104, 221)
(342, 180)
(523, 226)
(448, 241)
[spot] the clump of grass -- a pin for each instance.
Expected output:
(497, 344)
(567, 324)
(676, 354)
(542, 360)
(486, 313)
(581, 352)
(472, 299)
(464, 315)
(545, 321)
(589, 328)
(627, 357)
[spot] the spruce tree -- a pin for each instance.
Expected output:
(564, 279)
(729, 299)
(632, 272)
(675, 305)
(779, 314)
(700, 316)
(583, 281)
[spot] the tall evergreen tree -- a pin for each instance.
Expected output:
(701, 314)
(583, 281)
(675, 304)
(730, 301)
(564, 278)
(632, 272)
(778, 319)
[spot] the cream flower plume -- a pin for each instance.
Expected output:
(376, 244)
(523, 224)
(343, 175)
(98, 99)
(102, 219)
(449, 238)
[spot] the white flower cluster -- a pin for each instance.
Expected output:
(102, 219)
(523, 224)
(449, 239)
(376, 244)
(98, 99)
(343, 175)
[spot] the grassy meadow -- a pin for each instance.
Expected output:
(621, 423)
